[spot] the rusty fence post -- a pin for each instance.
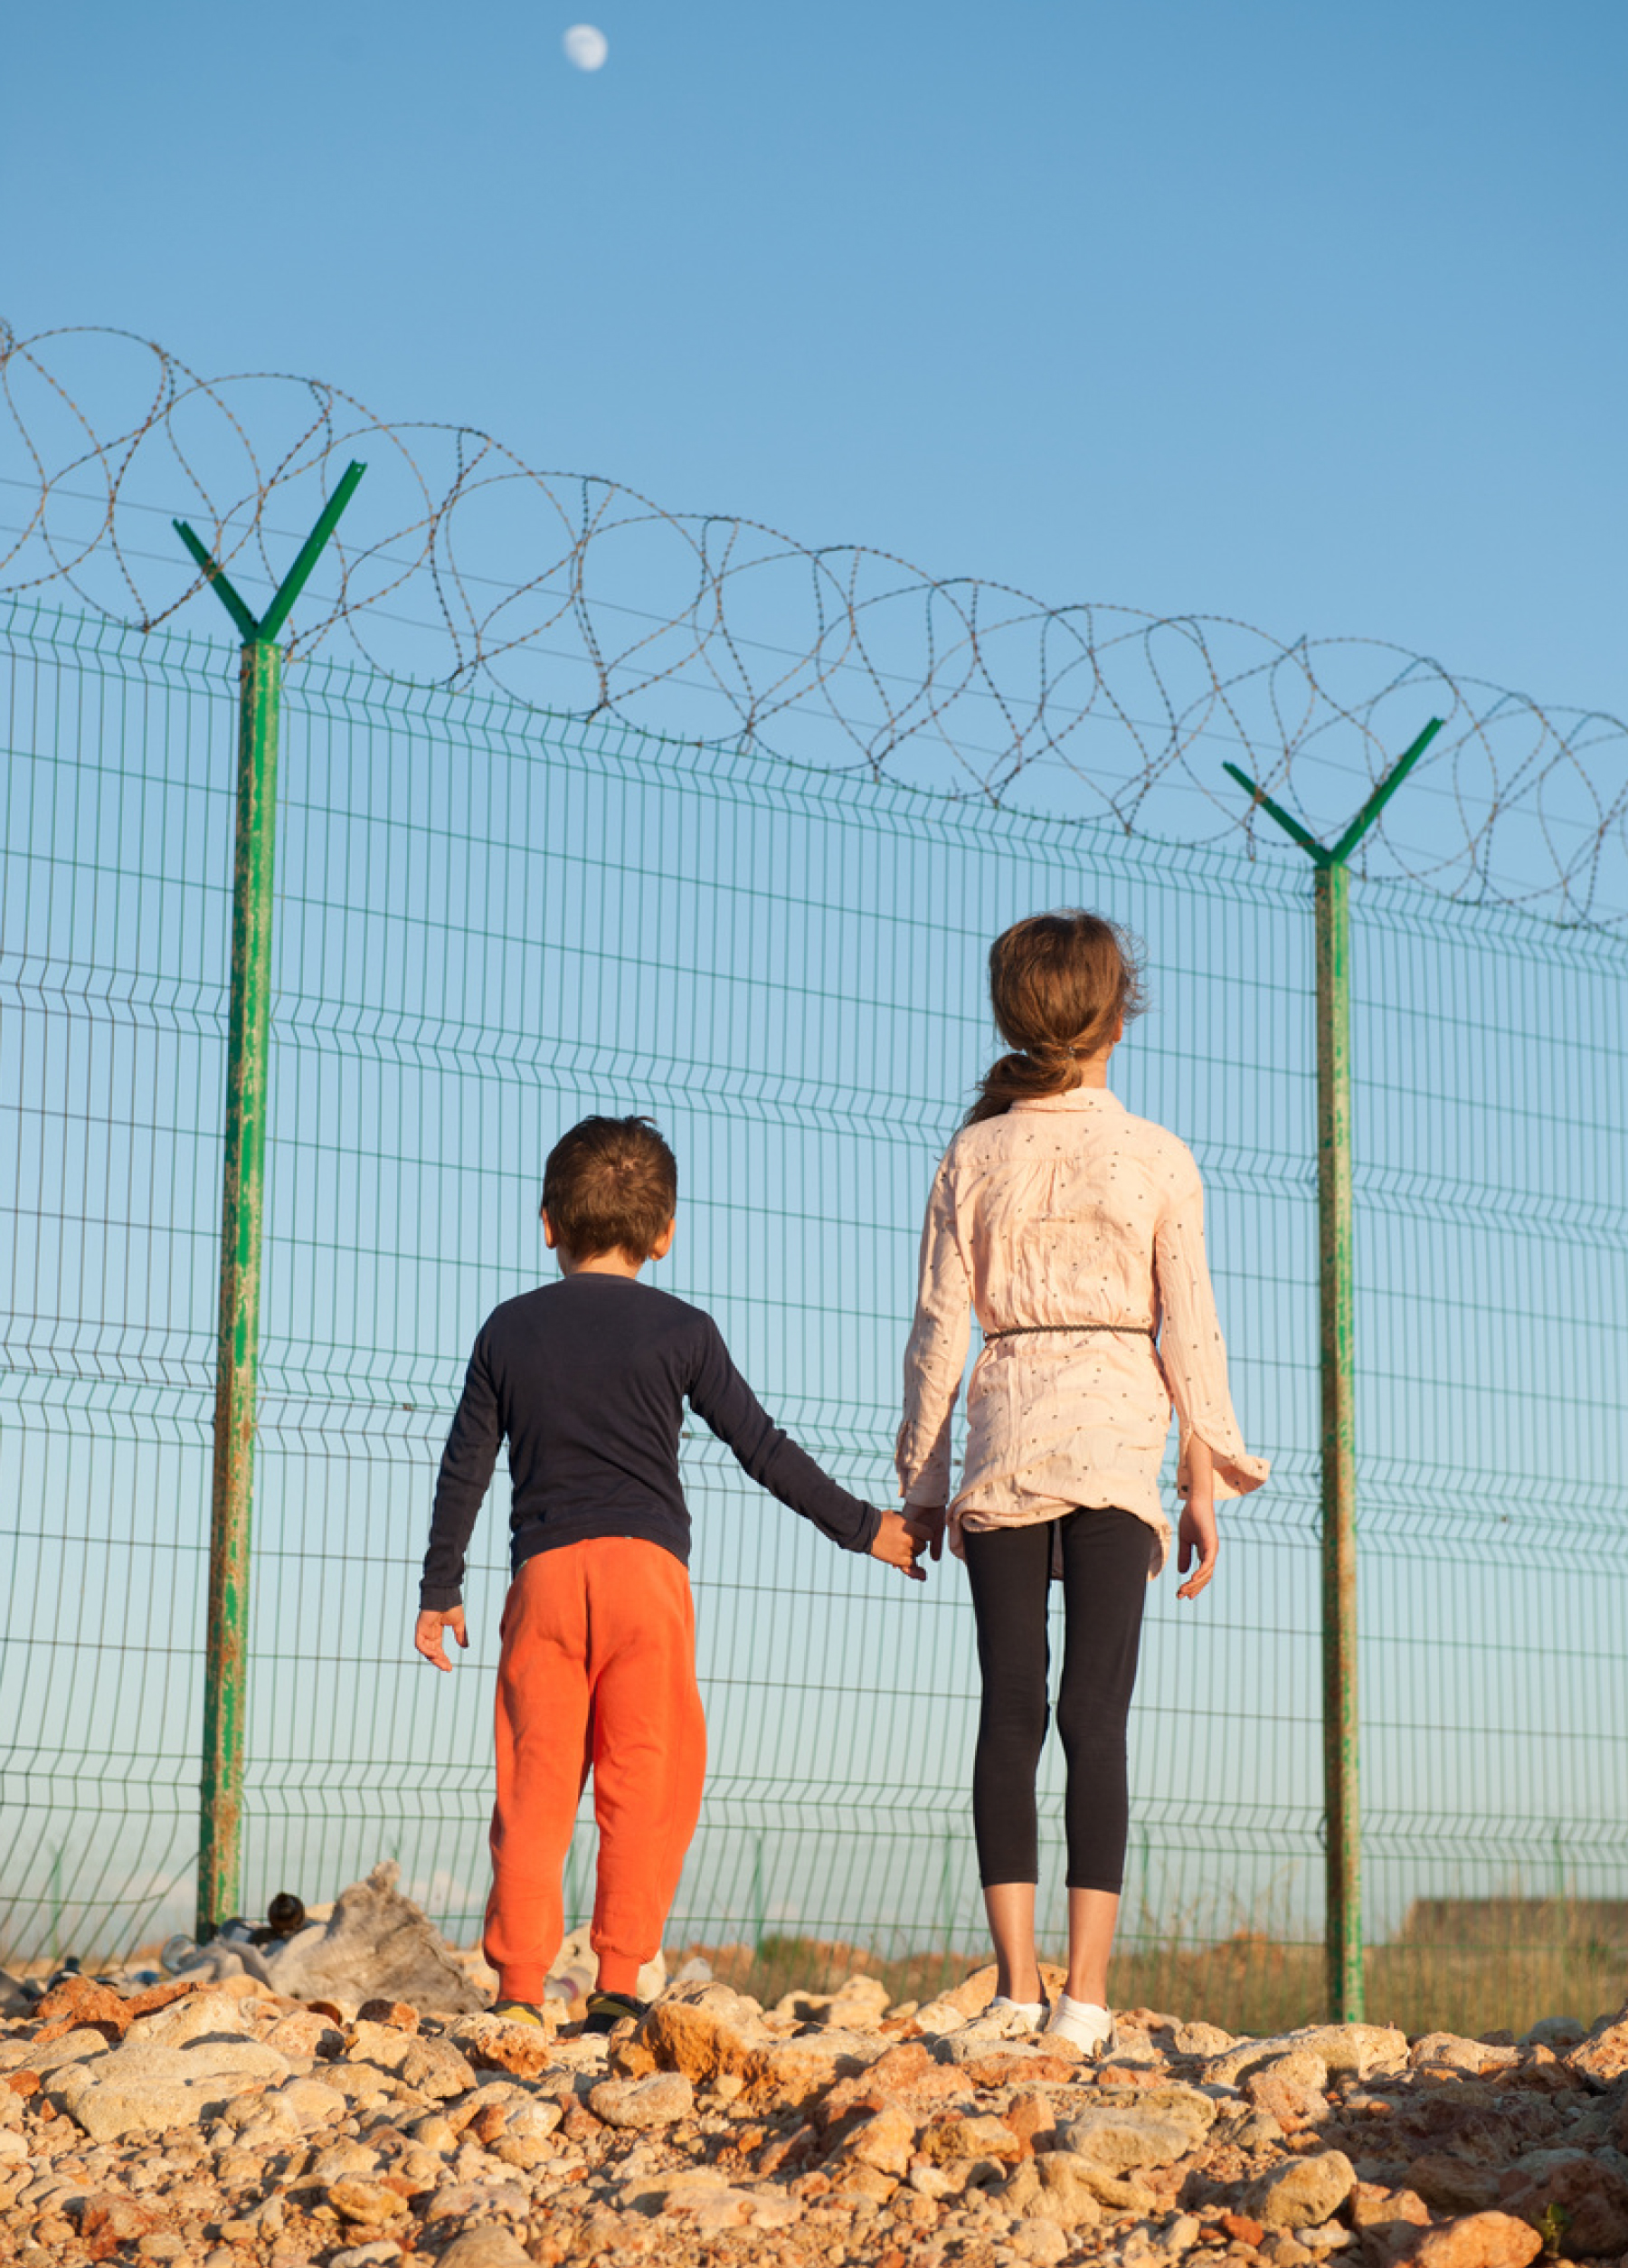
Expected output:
(237, 1354)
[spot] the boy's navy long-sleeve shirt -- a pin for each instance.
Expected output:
(587, 1380)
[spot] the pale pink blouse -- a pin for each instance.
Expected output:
(1065, 1210)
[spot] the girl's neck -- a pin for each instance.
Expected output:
(1093, 1068)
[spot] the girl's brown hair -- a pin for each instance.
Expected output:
(1059, 984)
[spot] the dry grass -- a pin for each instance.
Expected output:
(1497, 1966)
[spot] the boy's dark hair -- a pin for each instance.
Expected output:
(610, 1184)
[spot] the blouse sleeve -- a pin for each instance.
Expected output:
(936, 1354)
(1191, 1346)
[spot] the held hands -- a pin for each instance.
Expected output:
(1197, 1533)
(898, 1543)
(927, 1523)
(427, 1634)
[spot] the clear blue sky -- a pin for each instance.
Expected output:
(1313, 315)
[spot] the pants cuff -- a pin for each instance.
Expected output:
(523, 1983)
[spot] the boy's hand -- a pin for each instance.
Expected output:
(926, 1521)
(427, 1634)
(1197, 1533)
(896, 1543)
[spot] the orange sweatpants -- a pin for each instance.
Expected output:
(596, 1672)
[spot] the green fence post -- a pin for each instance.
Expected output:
(237, 1348)
(1341, 1725)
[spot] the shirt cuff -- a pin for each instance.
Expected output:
(870, 1531)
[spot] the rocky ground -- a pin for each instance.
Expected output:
(214, 2118)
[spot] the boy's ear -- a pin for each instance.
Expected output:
(664, 1242)
(549, 1237)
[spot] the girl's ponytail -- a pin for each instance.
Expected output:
(1061, 985)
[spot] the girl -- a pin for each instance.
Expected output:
(1076, 1233)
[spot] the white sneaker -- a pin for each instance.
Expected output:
(1083, 2024)
(1005, 2019)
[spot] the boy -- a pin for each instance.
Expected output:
(586, 1379)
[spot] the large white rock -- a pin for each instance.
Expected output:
(375, 1945)
(1121, 2136)
(145, 2087)
(1364, 2049)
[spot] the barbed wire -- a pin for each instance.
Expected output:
(461, 565)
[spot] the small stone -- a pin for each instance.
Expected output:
(852, 2178)
(365, 2201)
(1556, 2032)
(939, 2017)
(639, 2104)
(341, 2161)
(1375, 2206)
(1290, 2089)
(382, 2249)
(494, 2042)
(857, 2003)
(1041, 2241)
(1450, 2051)
(1484, 2240)
(309, 2102)
(1054, 2186)
(304, 2035)
(434, 2067)
(462, 2200)
(1306, 2190)
(1452, 2184)
(37, 2057)
(1202, 2039)
(485, 2248)
(1242, 2229)
(792, 2072)
(960, 2137)
(886, 2140)
(1603, 2058)
(702, 2038)
(399, 2013)
(120, 2220)
(1284, 2251)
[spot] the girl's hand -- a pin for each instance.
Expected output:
(896, 1543)
(1197, 1533)
(926, 1524)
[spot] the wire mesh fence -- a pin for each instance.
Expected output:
(492, 919)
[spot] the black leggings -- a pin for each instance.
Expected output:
(1104, 1581)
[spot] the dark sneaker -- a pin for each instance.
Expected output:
(606, 2011)
(520, 2012)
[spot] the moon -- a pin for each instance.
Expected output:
(586, 46)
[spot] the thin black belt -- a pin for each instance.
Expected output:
(1027, 1330)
